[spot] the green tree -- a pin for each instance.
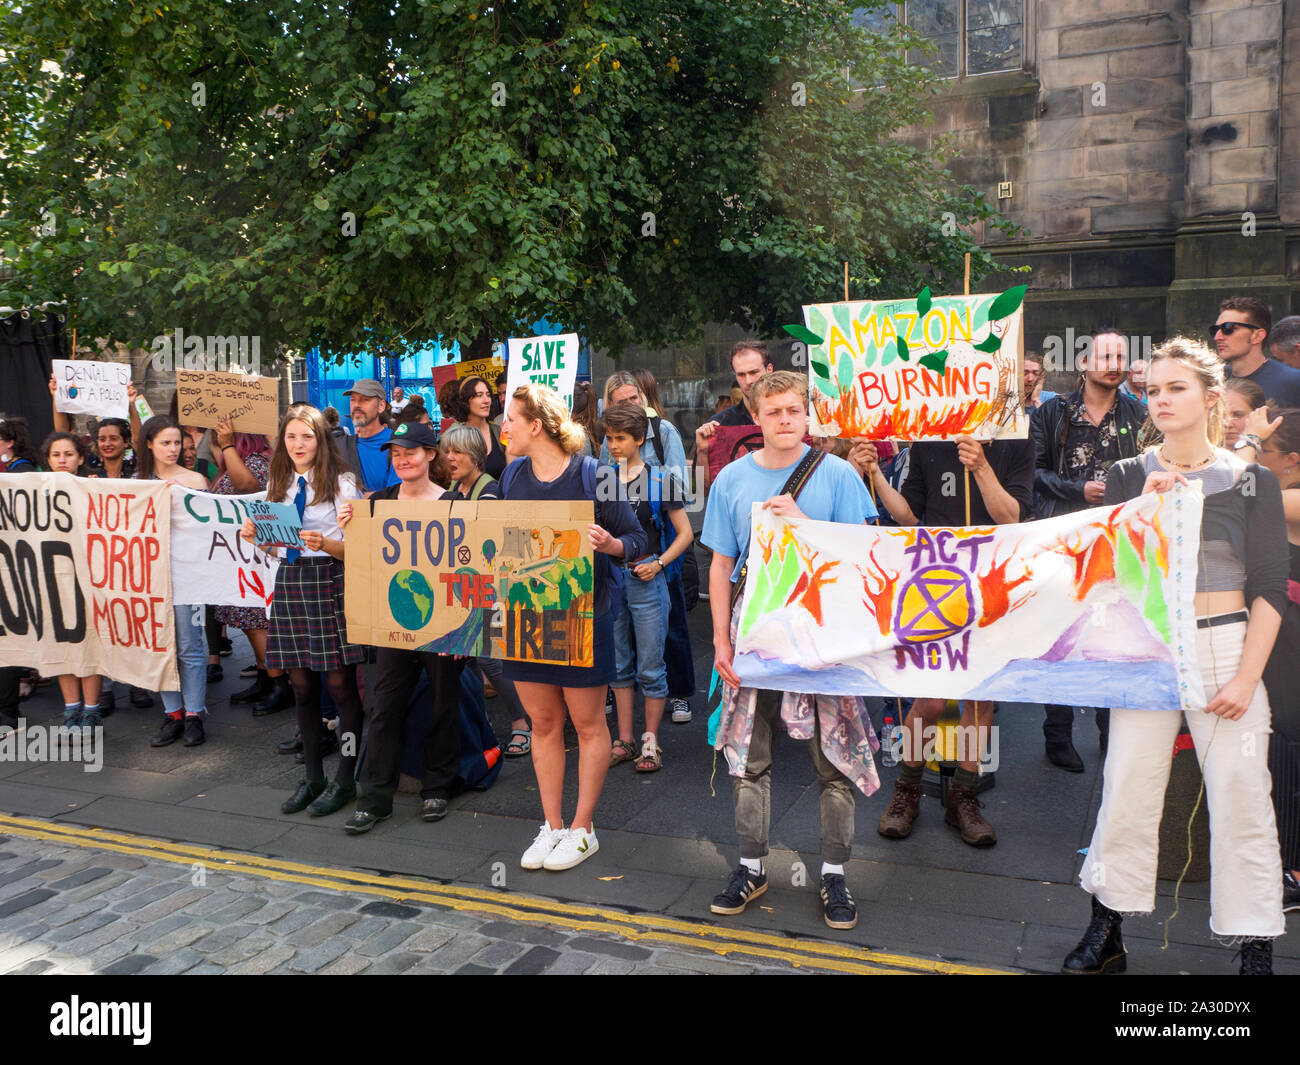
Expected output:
(356, 175)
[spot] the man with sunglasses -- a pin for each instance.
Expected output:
(1239, 335)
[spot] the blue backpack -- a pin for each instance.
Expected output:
(663, 527)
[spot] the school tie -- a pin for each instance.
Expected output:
(299, 501)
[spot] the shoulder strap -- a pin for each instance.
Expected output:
(803, 472)
(479, 485)
(656, 424)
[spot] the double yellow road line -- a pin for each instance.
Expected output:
(650, 929)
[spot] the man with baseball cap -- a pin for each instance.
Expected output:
(364, 453)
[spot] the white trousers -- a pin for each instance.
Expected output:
(1245, 863)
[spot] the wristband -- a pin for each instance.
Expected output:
(224, 446)
(1249, 440)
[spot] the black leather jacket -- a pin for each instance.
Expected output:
(1049, 426)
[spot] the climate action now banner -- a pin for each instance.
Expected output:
(1094, 607)
(85, 581)
(210, 563)
(495, 579)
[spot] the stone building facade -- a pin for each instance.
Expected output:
(1152, 151)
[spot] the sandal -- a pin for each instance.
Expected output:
(517, 748)
(651, 760)
(622, 751)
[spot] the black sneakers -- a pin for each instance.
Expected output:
(837, 904)
(193, 730)
(741, 889)
(171, 730)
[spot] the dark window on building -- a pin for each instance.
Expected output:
(970, 37)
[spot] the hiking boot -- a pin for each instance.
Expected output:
(1256, 957)
(896, 821)
(837, 904)
(742, 888)
(1101, 949)
(964, 815)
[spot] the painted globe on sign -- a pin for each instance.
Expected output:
(410, 599)
(937, 602)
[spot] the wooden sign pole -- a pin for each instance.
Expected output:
(871, 485)
(966, 469)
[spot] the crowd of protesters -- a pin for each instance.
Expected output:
(1224, 416)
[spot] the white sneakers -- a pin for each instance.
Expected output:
(560, 848)
(576, 846)
(547, 838)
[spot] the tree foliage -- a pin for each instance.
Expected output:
(356, 175)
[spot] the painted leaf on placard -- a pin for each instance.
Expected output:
(923, 302)
(902, 349)
(935, 361)
(990, 343)
(1007, 303)
(802, 332)
(845, 375)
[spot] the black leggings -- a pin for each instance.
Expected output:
(342, 684)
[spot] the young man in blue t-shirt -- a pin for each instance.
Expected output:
(834, 492)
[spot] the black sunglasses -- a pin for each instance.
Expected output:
(1229, 328)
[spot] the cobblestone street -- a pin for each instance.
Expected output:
(75, 910)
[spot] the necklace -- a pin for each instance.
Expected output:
(1186, 466)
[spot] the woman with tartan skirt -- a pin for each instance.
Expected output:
(307, 635)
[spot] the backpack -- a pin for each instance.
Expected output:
(664, 527)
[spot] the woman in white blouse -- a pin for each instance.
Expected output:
(307, 635)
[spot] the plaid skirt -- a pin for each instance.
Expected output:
(307, 628)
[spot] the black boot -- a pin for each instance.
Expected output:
(280, 698)
(1257, 957)
(255, 691)
(1101, 950)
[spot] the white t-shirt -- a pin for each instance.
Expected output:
(323, 517)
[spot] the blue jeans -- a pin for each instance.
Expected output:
(640, 613)
(191, 662)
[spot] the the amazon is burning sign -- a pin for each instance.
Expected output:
(919, 369)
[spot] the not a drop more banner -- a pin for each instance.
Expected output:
(85, 578)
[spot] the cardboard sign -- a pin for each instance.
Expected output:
(275, 524)
(485, 368)
(85, 578)
(211, 564)
(203, 398)
(88, 387)
(494, 579)
(918, 369)
(1097, 603)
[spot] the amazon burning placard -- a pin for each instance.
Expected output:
(497, 579)
(917, 369)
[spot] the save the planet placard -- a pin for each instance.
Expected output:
(510, 580)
